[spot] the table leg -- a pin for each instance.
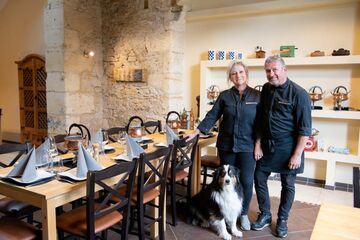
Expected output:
(196, 181)
(48, 221)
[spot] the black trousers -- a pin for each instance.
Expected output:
(246, 163)
(287, 193)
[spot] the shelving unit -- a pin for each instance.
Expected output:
(209, 71)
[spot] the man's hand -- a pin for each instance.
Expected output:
(258, 153)
(294, 162)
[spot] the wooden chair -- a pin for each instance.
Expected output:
(208, 162)
(152, 126)
(356, 187)
(134, 118)
(182, 159)
(100, 214)
(113, 133)
(151, 185)
(13, 228)
(9, 206)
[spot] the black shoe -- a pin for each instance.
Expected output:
(262, 221)
(281, 228)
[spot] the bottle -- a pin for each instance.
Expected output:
(96, 151)
(192, 120)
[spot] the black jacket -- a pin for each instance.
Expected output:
(238, 119)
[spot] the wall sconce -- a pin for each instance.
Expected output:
(88, 54)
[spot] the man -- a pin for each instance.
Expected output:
(284, 124)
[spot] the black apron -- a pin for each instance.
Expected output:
(277, 154)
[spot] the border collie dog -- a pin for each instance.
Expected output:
(219, 203)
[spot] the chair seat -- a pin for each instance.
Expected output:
(74, 221)
(13, 208)
(148, 195)
(212, 161)
(12, 228)
(180, 175)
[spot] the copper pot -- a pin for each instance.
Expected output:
(136, 131)
(340, 96)
(72, 142)
(174, 123)
(316, 96)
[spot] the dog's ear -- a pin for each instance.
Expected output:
(216, 173)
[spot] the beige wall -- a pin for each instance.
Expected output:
(325, 29)
(21, 31)
(312, 29)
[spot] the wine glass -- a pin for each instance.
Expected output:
(122, 139)
(105, 140)
(53, 151)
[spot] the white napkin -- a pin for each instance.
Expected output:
(133, 148)
(42, 153)
(97, 138)
(170, 135)
(25, 167)
(85, 162)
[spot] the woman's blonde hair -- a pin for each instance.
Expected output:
(233, 64)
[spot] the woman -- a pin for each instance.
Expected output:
(237, 108)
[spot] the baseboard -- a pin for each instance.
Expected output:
(317, 183)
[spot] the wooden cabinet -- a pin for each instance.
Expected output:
(32, 97)
(338, 128)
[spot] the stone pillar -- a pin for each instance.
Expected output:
(74, 80)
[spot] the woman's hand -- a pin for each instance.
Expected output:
(191, 135)
(258, 153)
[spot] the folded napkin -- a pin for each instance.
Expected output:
(170, 135)
(85, 162)
(25, 167)
(98, 137)
(133, 148)
(42, 153)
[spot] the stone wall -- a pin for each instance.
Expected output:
(135, 37)
(122, 33)
(74, 81)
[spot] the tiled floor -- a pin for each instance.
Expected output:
(301, 221)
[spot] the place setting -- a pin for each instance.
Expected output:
(132, 149)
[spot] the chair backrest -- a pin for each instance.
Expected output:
(356, 187)
(125, 171)
(157, 163)
(113, 133)
(84, 131)
(183, 155)
(14, 147)
(152, 126)
(132, 119)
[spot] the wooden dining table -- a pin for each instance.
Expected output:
(50, 195)
(337, 222)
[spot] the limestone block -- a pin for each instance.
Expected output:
(72, 82)
(54, 60)
(72, 42)
(54, 37)
(56, 104)
(55, 82)
(77, 103)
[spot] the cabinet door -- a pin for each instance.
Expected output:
(32, 93)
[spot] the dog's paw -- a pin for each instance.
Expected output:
(237, 233)
(205, 224)
(225, 236)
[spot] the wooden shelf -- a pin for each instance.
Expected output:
(296, 61)
(355, 115)
(333, 157)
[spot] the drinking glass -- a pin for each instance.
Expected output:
(53, 151)
(105, 140)
(122, 139)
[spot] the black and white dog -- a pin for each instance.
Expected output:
(219, 203)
